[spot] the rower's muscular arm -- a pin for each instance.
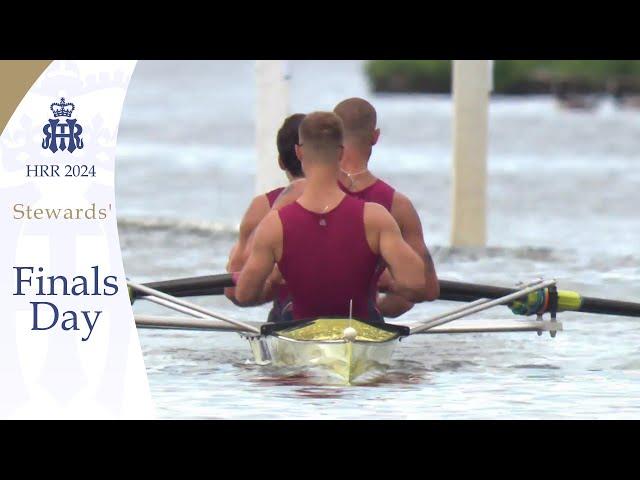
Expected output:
(389, 304)
(290, 194)
(239, 254)
(257, 210)
(405, 266)
(258, 277)
(408, 220)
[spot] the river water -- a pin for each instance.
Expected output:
(563, 203)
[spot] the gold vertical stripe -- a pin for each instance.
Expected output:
(16, 78)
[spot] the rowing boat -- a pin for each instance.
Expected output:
(337, 349)
(351, 351)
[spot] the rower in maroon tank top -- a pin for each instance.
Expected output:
(361, 134)
(378, 192)
(327, 244)
(340, 271)
(286, 141)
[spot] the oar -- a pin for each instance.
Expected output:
(194, 286)
(449, 290)
(188, 287)
(478, 306)
(186, 307)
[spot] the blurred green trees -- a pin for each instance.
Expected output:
(510, 76)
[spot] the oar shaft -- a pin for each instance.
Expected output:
(609, 307)
(469, 292)
(194, 286)
(197, 292)
(215, 284)
(190, 306)
(449, 290)
(465, 292)
(479, 306)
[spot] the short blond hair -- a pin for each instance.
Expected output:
(322, 131)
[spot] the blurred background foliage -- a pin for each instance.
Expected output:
(510, 76)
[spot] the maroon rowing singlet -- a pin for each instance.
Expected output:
(326, 260)
(379, 192)
(272, 196)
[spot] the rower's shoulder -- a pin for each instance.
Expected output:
(382, 184)
(400, 200)
(401, 205)
(290, 194)
(270, 228)
(258, 208)
(405, 213)
(376, 214)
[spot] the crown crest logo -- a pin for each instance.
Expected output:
(62, 109)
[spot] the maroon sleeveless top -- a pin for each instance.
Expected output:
(326, 260)
(272, 196)
(379, 192)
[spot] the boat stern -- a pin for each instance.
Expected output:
(326, 347)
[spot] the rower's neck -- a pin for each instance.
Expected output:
(293, 179)
(355, 159)
(321, 192)
(354, 170)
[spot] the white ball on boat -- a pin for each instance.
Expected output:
(350, 333)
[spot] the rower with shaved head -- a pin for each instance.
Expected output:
(327, 244)
(361, 133)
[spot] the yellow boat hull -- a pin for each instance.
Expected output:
(320, 349)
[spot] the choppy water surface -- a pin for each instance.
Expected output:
(563, 196)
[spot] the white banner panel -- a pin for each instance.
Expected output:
(68, 342)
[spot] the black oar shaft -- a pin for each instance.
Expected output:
(213, 291)
(449, 290)
(610, 307)
(465, 292)
(468, 292)
(194, 286)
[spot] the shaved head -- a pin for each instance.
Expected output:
(359, 119)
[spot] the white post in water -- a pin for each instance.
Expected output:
(272, 108)
(472, 84)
